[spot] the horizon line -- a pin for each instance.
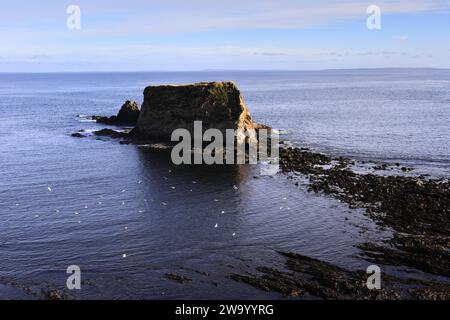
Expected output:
(227, 70)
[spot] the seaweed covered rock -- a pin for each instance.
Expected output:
(166, 108)
(307, 277)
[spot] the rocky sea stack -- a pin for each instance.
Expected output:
(128, 115)
(165, 108)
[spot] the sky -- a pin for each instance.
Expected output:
(176, 35)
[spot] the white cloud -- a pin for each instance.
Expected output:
(153, 17)
(198, 16)
(402, 38)
(116, 32)
(150, 56)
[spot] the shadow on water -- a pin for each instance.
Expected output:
(185, 202)
(156, 161)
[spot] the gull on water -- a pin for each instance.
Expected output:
(216, 225)
(49, 189)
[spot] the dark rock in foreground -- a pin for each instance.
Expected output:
(178, 278)
(53, 294)
(428, 254)
(308, 277)
(218, 105)
(128, 115)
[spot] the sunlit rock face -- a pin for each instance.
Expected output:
(218, 105)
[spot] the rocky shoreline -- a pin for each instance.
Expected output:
(417, 209)
(308, 277)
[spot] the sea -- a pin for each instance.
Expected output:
(129, 218)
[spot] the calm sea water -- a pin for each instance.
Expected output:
(127, 216)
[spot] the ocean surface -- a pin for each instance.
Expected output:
(127, 216)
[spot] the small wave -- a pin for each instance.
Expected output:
(280, 131)
(85, 118)
(155, 146)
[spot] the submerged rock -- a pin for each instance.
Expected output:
(128, 115)
(177, 278)
(52, 294)
(78, 135)
(166, 108)
(111, 133)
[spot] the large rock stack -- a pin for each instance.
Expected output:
(218, 105)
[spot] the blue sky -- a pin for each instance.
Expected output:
(140, 35)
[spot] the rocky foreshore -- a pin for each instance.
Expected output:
(417, 209)
(308, 277)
